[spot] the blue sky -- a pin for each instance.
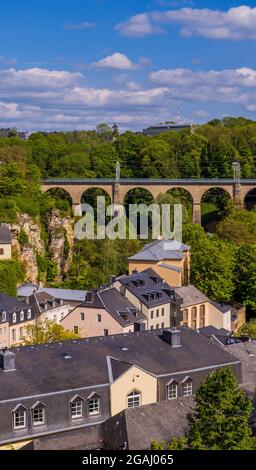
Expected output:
(73, 64)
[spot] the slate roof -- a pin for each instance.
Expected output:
(191, 295)
(44, 368)
(121, 309)
(161, 250)
(157, 422)
(224, 308)
(10, 305)
(40, 300)
(212, 330)
(148, 282)
(26, 290)
(5, 235)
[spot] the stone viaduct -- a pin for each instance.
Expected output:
(117, 191)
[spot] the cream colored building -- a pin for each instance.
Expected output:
(197, 311)
(5, 243)
(170, 259)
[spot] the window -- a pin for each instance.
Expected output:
(151, 327)
(3, 316)
(76, 408)
(55, 318)
(21, 332)
(162, 312)
(185, 315)
(193, 324)
(38, 416)
(13, 335)
(94, 406)
(82, 316)
(105, 332)
(157, 313)
(202, 316)
(1, 251)
(162, 325)
(133, 399)
(193, 313)
(14, 317)
(152, 314)
(22, 316)
(29, 314)
(76, 329)
(187, 388)
(19, 419)
(99, 318)
(172, 391)
(157, 326)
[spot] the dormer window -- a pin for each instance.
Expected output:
(19, 418)
(14, 317)
(94, 405)
(38, 414)
(187, 387)
(76, 407)
(172, 390)
(22, 316)
(29, 314)
(3, 316)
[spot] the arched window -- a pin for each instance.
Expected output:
(202, 316)
(76, 407)
(38, 414)
(185, 315)
(193, 313)
(172, 390)
(22, 316)
(14, 317)
(187, 387)
(133, 399)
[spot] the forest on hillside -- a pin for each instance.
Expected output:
(223, 264)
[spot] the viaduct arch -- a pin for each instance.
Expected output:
(118, 190)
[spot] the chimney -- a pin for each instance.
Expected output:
(172, 336)
(112, 279)
(7, 360)
(89, 297)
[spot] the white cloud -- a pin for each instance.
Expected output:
(115, 61)
(38, 78)
(139, 25)
(79, 25)
(236, 23)
(44, 99)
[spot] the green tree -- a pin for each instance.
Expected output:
(212, 263)
(47, 332)
(221, 417)
(248, 329)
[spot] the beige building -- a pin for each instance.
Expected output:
(104, 312)
(170, 259)
(197, 311)
(47, 307)
(15, 316)
(152, 296)
(5, 243)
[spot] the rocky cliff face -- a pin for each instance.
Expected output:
(28, 243)
(61, 241)
(26, 252)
